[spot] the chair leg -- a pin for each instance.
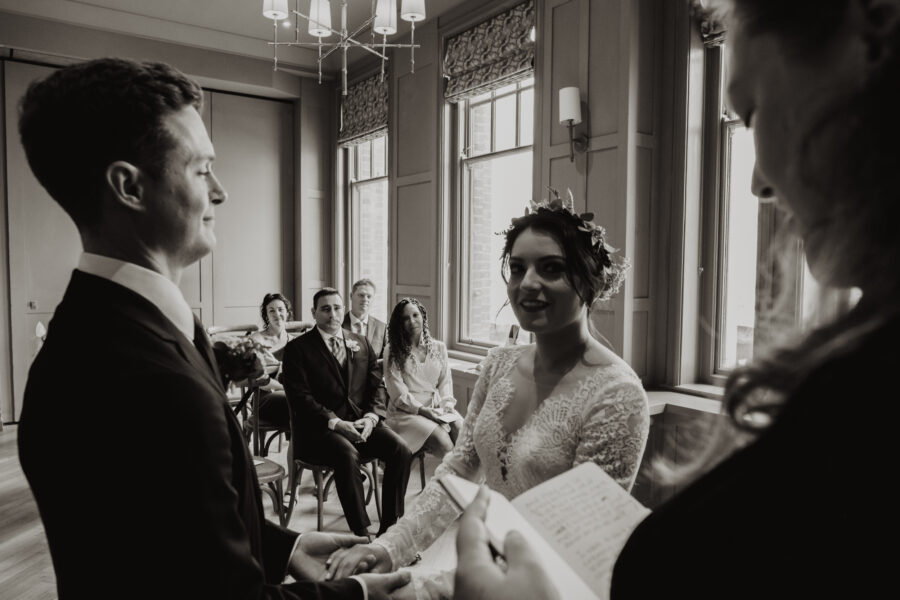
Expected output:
(279, 507)
(377, 495)
(293, 482)
(422, 469)
(317, 475)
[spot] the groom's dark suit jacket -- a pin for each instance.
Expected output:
(319, 389)
(143, 480)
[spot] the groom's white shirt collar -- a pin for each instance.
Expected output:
(157, 289)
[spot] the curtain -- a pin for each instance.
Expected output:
(491, 55)
(364, 111)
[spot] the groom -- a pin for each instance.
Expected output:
(337, 399)
(121, 147)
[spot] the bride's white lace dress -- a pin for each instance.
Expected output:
(604, 418)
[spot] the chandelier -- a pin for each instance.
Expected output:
(383, 22)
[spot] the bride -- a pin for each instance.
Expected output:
(536, 410)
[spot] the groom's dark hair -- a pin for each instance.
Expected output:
(82, 118)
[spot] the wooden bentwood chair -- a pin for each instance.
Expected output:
(323, 477)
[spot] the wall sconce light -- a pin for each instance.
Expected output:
(570, 115)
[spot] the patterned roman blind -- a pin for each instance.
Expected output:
(364, 111)
(491, 55)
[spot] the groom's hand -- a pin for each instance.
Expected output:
(477, 575)
(308, 561)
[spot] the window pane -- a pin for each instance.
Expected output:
(497, 193)
(479, 129)
(372, 238)
(526, 117)
(739, 298)
(481, 98)
(379, 162)
(526, 83)
(364, 161)
(505, 123)
(505, 90)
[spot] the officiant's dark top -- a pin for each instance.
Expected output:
(803, 512)
(144, 482)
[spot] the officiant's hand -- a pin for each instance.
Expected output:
(478, 577)
(308, 560)
(358, 559)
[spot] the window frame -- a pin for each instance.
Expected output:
(458, 116)
(351, 158)
(718, 120)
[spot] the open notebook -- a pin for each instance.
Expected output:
(577, 522)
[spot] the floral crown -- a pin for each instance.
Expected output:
(565, 207)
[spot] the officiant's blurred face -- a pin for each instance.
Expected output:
(539, 290)
(181, 201)
(329, 313)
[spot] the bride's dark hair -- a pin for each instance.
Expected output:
(591, 268)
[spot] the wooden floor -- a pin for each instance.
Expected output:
(26, 571)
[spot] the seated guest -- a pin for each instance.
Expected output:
(336, 394)
(417, 378)
(358, 320)
(276, 311)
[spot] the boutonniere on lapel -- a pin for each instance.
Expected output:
(352, 346)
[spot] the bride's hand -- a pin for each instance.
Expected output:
(361, 558)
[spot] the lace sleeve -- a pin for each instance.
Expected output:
(614, 430)
(432, 512)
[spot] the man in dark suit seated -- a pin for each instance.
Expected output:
(337, 398)
(358, 320)
(144, 482)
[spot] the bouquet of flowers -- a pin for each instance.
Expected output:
(239, 358)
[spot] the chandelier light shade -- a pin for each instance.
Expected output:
(412, 10)
(386, 17)
(275, 9)
(383, 22)
(319, 18)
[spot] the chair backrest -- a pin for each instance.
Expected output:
(238, 330)
(298, 327)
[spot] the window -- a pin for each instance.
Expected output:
(368, 218)
(740, 278)
(495, 135)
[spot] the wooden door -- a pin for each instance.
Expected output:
(44, 245)
(253, 138)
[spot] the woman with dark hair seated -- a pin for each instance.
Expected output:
(417, 378)
(276, 311)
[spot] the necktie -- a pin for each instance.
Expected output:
(337, 348)
(357, 327)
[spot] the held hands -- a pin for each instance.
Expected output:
(391, 586)
(309, 559)
(362, 558)
(479, 578)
